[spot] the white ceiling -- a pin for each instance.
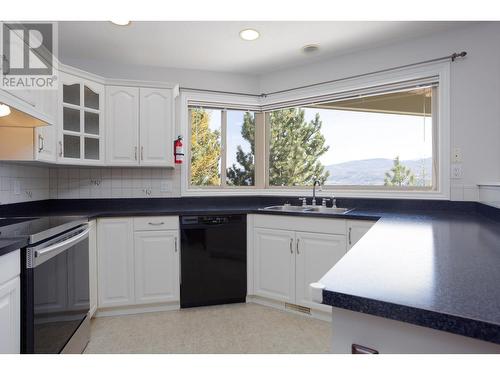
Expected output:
(216, 46)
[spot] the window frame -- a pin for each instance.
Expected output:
(328, 188)
(441, 135)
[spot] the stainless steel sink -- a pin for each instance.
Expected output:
(288, 208)
(329, 210)
(308, 209)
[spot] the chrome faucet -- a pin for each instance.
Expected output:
(318, 183)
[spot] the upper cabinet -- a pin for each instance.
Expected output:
(81, 134)
(156, 127)
(139, 126)
(93, 121)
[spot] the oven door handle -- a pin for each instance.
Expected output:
(50, 251)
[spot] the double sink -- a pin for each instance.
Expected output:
(308, 209)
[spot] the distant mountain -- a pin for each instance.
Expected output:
(372, 171)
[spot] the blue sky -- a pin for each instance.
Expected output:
(351, 135)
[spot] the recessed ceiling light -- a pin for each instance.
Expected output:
(120, 22)
(310, 48)
(4, 110)
(249, 34)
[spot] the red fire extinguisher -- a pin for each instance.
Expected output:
(178, 150)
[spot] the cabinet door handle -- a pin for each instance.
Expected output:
(60, 149)
(160, 223)
(142, 152)
(350, 241)
(135, 152)
(175, 241)
(291, 245)
(40, 143)
(297, 245)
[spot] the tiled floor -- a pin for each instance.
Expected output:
(238, 328)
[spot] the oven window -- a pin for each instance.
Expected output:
(61, 297)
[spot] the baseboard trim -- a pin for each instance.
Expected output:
(130, 310)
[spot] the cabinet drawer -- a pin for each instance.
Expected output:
(156, 223)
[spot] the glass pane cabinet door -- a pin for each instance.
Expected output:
(71, 94)
(91, 98)
(91, 123)
(81, 129)
(71, 119)
(71, 146)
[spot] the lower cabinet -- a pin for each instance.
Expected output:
(137, 267)
(115, 254)
(287, 261)
(274, 265)
(10, 303)
(156, 266)
(357, 229)
(316, 254)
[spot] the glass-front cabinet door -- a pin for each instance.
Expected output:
(81, 136)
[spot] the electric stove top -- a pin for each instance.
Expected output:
(38, 229)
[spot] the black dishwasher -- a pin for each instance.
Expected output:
(213, 260)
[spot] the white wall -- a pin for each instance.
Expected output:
(474, 99)
(22, 183)
(184, 77)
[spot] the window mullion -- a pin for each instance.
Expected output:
(223, 172)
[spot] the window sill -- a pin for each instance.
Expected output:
(345, 193)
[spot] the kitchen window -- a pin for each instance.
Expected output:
(222, 147)
(383, 141)
(382, 138)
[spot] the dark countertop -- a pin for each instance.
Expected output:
(8, 245)
(433, 264)
(434, 269)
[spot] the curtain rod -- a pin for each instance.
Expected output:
(453, 57)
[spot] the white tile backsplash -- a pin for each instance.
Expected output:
(22, 183)
(74, 182)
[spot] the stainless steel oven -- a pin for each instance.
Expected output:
(55, 290)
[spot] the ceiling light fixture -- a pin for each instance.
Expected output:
(4, 110)
(310, 48)
(121, 22)
(249, 34)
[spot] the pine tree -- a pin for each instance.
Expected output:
(399, 175)
(244, 176)
(294, 150)
(205, 150)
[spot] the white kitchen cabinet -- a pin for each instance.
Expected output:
(156, 127)
(138, 267)
(46, 136)
(122, 125)
(316, 254)
(156, 265)
(274, 266)
(140, 126)
(357, 229)
(93, 267)
(10, 303)
(115, 241)
(81, 110)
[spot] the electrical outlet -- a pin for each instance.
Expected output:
(166, 186)
(456, 170)
(457, 155)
